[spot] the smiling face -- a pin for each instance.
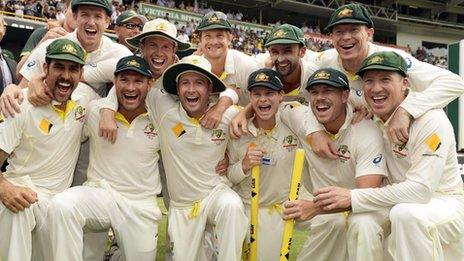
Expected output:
(286, 57)
(265, 103)
(128, 29)
(62, 78)
(91, 24)
(159, 52)
(214, 43)
(384, 91)
(194, 90)
(131, 90)
(328, 105)
(351, 41)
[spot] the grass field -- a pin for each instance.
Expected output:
(299, 237)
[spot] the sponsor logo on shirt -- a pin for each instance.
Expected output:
(31, 63)
(149, 130)
(218, 136)
(45, 126)
(433, 143)
(359, 93)
(377, 159)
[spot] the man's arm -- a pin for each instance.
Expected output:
(13, 197)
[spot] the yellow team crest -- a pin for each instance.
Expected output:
(345, 13)
(133, 63)
(262, 77)
(195, 61)
(67, 48)
(161, 27)
(280, 33)
(322, 75)
(214, 19)
(376, 60)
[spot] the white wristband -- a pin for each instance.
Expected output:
(231, 94)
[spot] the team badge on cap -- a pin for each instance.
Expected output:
(345, 13)
(280, 33)
(133, 63)
(262, 77)
(67, 48)
(322, 75)
(375, 60)
(214, 19)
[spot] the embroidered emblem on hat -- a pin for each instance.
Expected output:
(262, 77)
(195, 61)
(376, 60)
(161, 27)
(133, 63)
(214, 19)
(345, 13)
(280, 33)
(67, 48)
(322, 75)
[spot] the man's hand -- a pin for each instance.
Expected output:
(16, 198)
(398, 128)
(300, 210)
(213, 116)
(107, 128)
(360, 113)
(322, 145)
(331, 198)
(39, 94)
(239, 125)
(10, 100)
(222, 166)
(253, 157)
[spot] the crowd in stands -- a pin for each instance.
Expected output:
(248, 41)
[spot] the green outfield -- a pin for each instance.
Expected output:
(298, 237)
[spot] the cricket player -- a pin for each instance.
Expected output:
(92, 18)
(198, 196)
(361, 164)
(123, 177)
(231, 66)
(42, 146)
(129, 24)
(351, 29)
(286, 47)
(426, 192)
(272, 146)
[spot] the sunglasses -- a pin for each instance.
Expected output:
(131, 26)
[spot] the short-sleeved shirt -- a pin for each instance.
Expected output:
(130, 165)
(280, 144)
(43, 143)
(360, 148)
(100, 64)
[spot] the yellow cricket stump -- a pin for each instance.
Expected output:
(254, 213)
(293, 195)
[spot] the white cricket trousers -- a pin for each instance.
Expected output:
(432, 231)
(346, 236)
(223, 209)
(24, 235)
(82, 209)
(270, 231)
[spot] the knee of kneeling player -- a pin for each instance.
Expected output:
(60, 206)
(363, 223)
(402, 213)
